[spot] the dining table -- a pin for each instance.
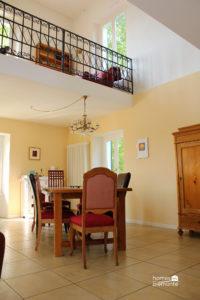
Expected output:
(59, 193)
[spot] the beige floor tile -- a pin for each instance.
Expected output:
(23, 244)
(164, 247)
(150, 252)
(6, 293)
(144, 272)
(190, 251)
(174, 261)
(51, 261)
(19, 268)
(77, 273)
(143, 253)
(188, 288)
(150, 293)
(37, 283)
(12, 255)
(111, 286)
(193, 271)
(70, 292)
(107, 262)
(135, 243)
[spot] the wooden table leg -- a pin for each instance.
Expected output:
(121, 221)
(58, 224)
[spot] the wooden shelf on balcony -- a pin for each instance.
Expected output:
(52, 58)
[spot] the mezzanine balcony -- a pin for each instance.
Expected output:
(31, 38)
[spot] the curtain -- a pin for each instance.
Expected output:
(77, 163)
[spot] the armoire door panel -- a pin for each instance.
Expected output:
(189, 175)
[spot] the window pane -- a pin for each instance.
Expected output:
(113, 157)
(107, 35)
(5, 31)
(120, 33)
(121, 155)
(109, 154)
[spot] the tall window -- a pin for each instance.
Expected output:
(114, 34)
(4, 35)
(115, 155)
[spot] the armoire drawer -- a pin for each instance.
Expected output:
(189, 221)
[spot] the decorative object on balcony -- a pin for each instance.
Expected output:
(108, 77)
(52, 58)
(34, 153)
(84, 125)
(4, 50)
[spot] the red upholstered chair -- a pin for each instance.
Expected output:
(2, 250)
(44, 204)
(99, 196)
(44, 214)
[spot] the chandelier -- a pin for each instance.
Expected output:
(83, 125)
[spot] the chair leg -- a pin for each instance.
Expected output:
(72, 239)
(105, 242)
(115, 247)
(33, 224)
(2, 250)
(38, 236)
(84, 250)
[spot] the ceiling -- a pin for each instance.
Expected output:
(70, 8)
(24, 84)
(181, 16)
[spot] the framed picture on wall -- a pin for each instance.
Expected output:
(142, 148)
(34, 153)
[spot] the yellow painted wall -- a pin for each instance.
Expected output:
(155, 114)
(51, 139)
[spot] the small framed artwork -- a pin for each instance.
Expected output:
(34, 153)
(142, 148)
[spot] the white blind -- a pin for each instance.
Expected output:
(77, 163)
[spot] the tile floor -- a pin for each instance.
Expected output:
(150, 252)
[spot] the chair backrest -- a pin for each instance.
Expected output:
(35, 182)
(2, 250)
(55, 178)
(99, 190)
(123, 180)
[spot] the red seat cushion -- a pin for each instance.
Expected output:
(93, 220)
(49, 214)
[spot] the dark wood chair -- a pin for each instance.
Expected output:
(123, 180)
(56, 179)
(99, 196)
(2, 250)
(42, 200)
(44, 214)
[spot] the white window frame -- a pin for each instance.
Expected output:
(99, 142)
(112, 21)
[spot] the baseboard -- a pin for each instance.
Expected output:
(141, 222)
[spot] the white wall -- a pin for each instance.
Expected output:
(4, 170)
(159, 54)
(43, 12)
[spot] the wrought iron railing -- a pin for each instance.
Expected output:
(29, 37)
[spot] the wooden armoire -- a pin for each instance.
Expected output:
(187, 144)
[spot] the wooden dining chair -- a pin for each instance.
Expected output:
(44, 214)
(56, 179)
(123, 180)
(42, 200)
(99, 196)
(2, 250)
